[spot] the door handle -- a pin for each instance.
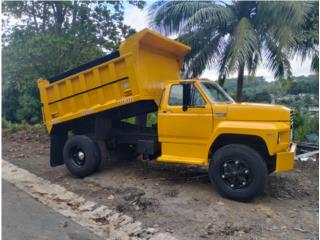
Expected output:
(167, 111)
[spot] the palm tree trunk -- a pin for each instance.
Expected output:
(240, 83)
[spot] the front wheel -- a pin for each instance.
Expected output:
(238, 172)
(81, 155)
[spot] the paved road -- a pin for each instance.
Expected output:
(25, 218)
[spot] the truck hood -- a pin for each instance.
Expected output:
(252, 112)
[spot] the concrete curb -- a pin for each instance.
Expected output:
(101, 220)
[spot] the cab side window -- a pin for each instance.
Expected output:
(196, 98)
(175, 97)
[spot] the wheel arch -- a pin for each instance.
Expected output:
(253, 141)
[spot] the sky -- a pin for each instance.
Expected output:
(138, 20)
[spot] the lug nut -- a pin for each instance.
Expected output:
(232, 185)
(243, 183)
(237, 162)
(81, 155)
(246, 171)
(225, 165)
(223, 176)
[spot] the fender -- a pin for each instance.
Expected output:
(268, 131)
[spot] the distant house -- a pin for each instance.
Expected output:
(314, 110)
(287, 97)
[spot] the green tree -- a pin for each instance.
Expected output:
(260, 97)
(234, 35)
(49, 37)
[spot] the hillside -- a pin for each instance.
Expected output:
(259, 90)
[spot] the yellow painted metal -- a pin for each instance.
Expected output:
(284, 161)
(147, 61)
(184, 135)
(148, 64)
(187, 137)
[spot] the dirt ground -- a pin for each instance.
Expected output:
(180, 199)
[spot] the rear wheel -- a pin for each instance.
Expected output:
(81, 155)
(238, 172)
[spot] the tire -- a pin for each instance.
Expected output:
(238, 172)
(104, 154)
(81, 155)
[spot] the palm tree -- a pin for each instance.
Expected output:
(233, 36)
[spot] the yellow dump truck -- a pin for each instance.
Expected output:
(86, 113)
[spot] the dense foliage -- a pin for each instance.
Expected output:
(236, 35)
(49, 37)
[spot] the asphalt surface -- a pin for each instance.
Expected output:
(25, 218)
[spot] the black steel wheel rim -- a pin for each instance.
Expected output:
(78, 156)
(236, 174)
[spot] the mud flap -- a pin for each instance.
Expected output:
(58, 140)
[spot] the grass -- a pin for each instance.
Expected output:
(15, 127)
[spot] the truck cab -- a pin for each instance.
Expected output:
(199, 123)
(88, 113)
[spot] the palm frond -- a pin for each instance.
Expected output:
(315, 62)
(223, 61)
(170, 17)
(277, 60)
(306, 41)
(244, 43)
(291, 13)
(213, 15)
(252, 64)
(281, 20)
(200, 59)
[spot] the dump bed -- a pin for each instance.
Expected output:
(138, 72)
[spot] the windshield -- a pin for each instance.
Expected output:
(216, 93)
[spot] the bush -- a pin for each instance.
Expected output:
(305, 125)
(9, 126)
(15, 127)
(39, 128)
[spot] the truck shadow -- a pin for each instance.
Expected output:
(173, 173)
(279, 186)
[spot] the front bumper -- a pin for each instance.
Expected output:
(285, 160)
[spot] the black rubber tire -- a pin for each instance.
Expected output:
(254, 161)
(91, 151)
(104, 153)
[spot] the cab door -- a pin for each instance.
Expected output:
(184, 133)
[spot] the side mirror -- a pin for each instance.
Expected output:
(186, 96)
